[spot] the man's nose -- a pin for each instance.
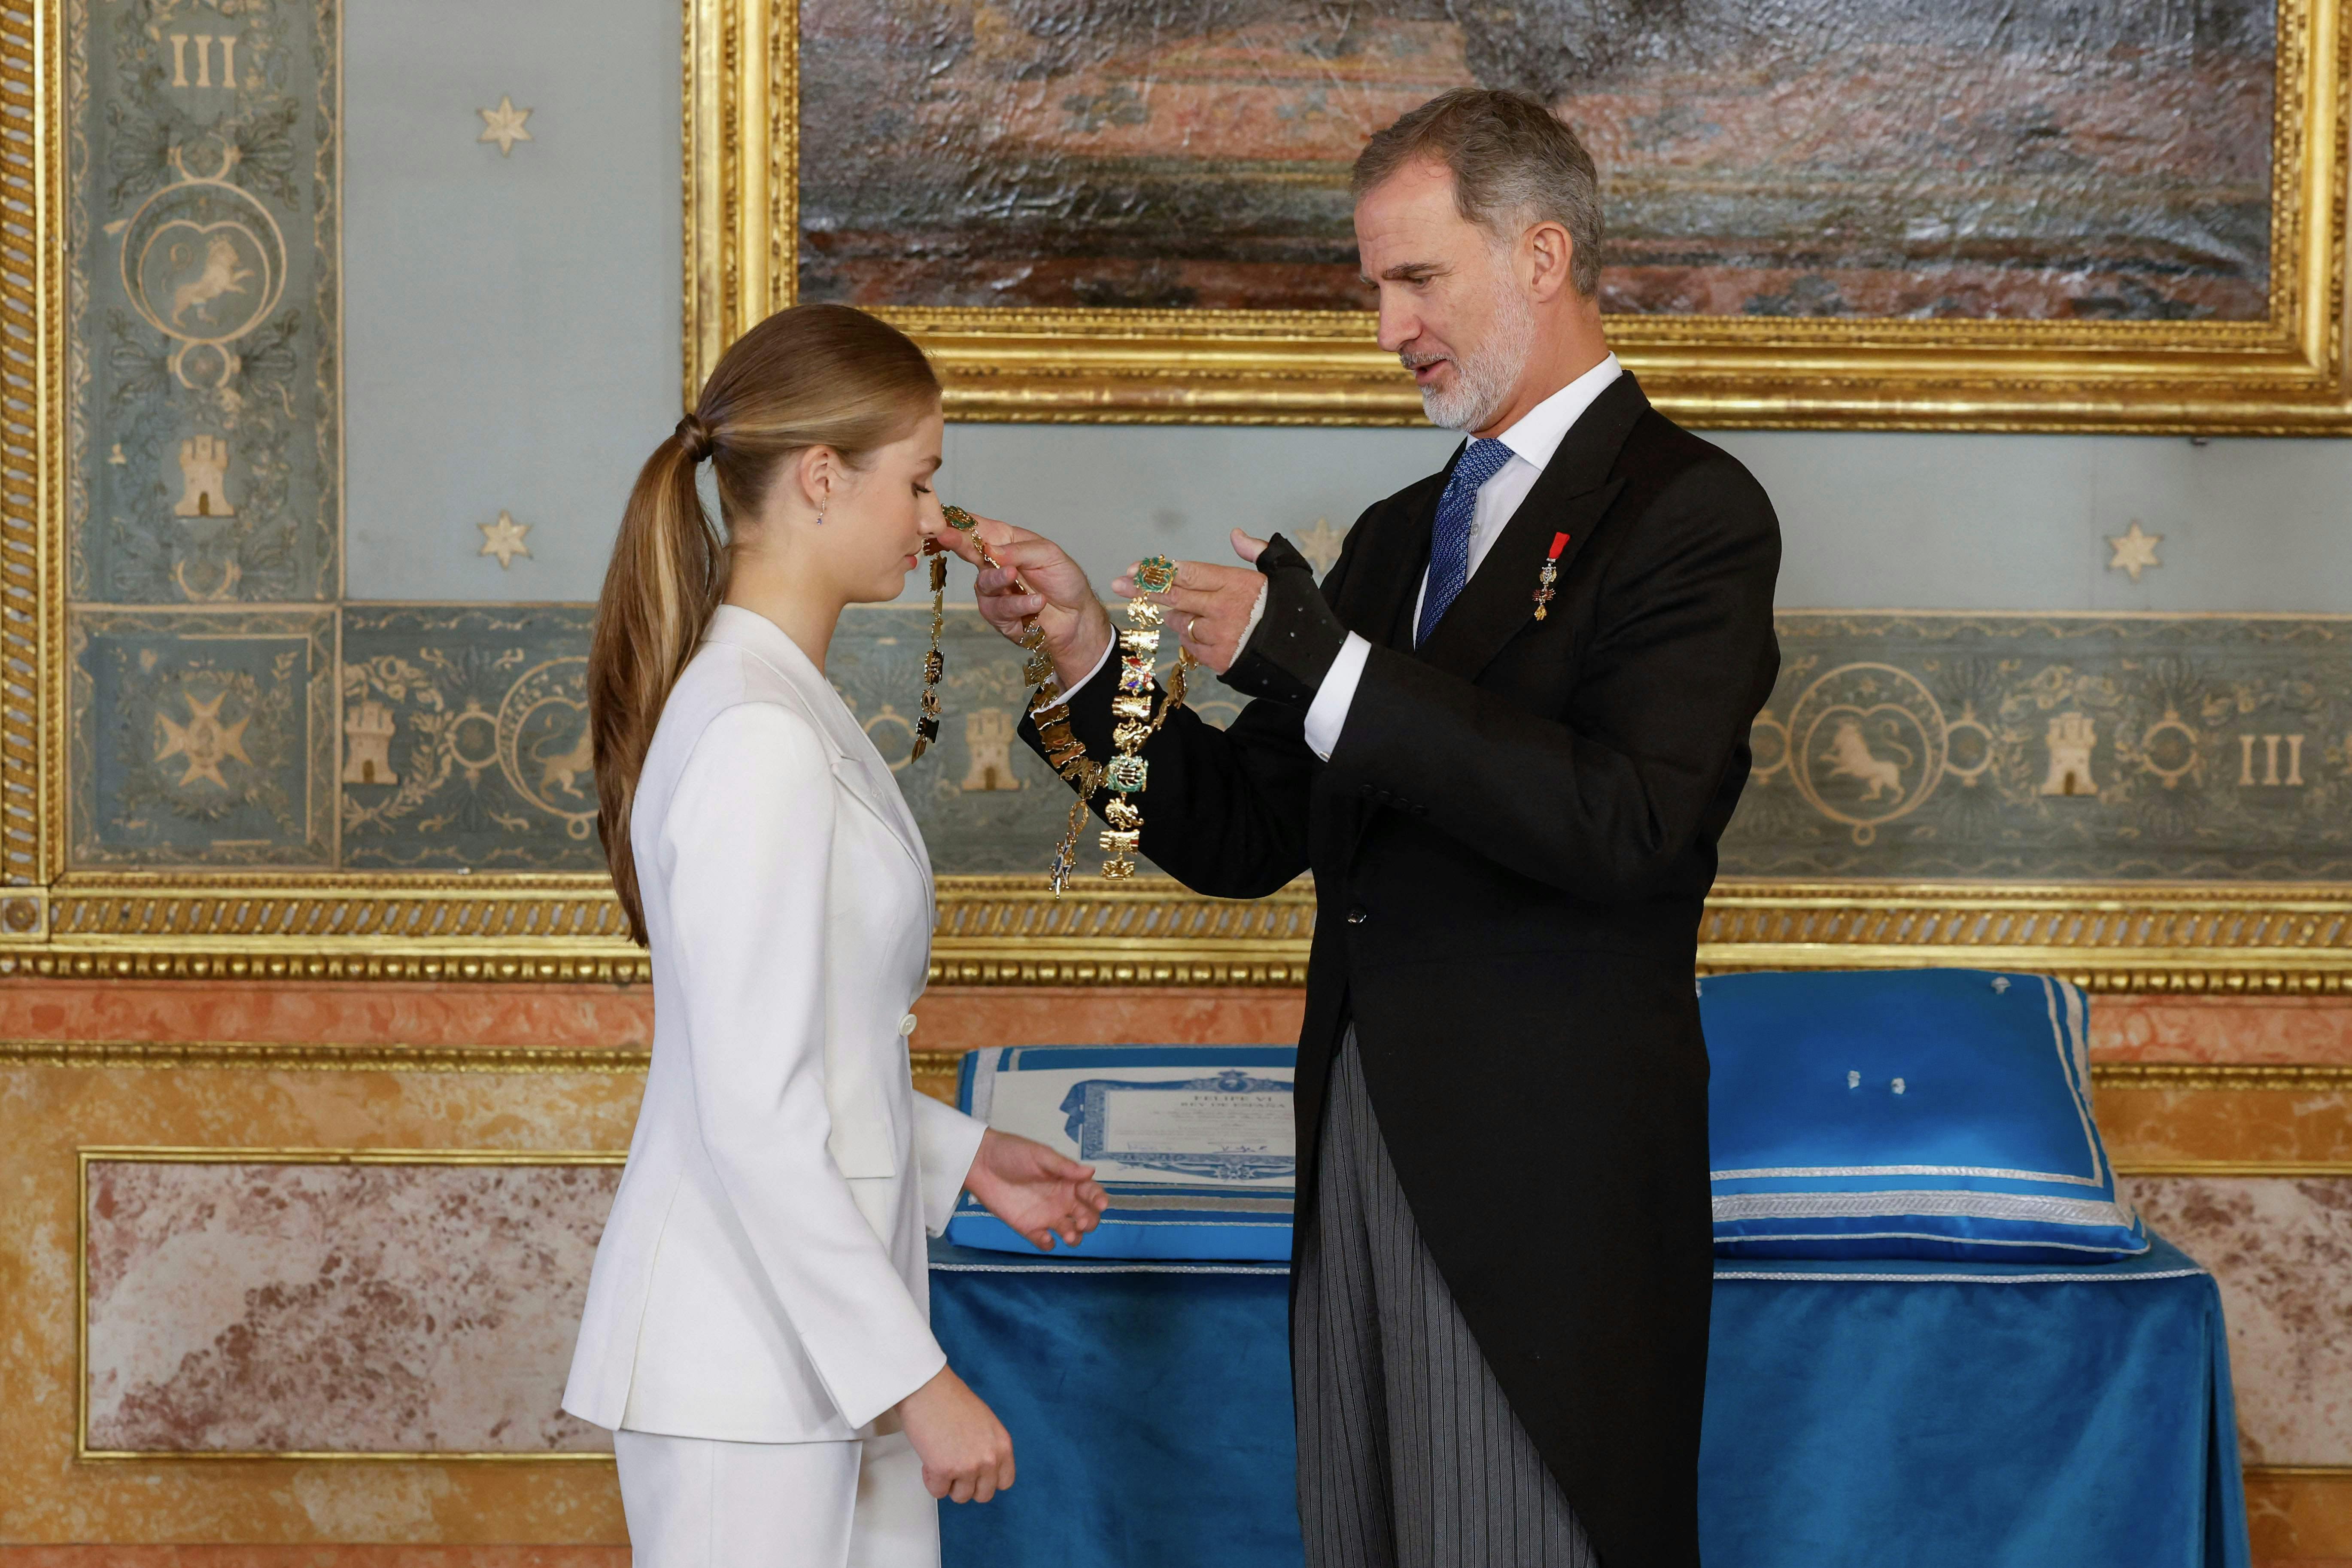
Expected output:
(1400, 324)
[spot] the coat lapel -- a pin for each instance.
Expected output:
(1384, 586)
(1570, 497)
(857, 767)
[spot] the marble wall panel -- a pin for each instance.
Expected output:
(201, 737)
(466, 739)
(2282, 1249)
(305, 1308)
(204, 458)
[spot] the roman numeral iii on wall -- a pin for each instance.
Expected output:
(203, 52)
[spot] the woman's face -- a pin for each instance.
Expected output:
(880, 514)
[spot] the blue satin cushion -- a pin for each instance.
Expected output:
(1916, 1113)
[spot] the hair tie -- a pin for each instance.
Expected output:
(695, 436)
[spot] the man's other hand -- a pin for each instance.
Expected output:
(1210, 606)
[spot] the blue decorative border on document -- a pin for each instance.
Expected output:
(1085, 1117)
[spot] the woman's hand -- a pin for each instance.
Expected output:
(1035, 576)
(1034, 1190)
(967, 1454)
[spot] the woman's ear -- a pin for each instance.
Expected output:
(819, 471)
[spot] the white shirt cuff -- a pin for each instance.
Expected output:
(1327, 714)
(1072, 689)
(1249, 627)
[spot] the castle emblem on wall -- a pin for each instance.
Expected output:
(368, 729)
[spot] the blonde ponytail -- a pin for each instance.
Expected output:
(814, 376)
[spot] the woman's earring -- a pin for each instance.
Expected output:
(926, 724)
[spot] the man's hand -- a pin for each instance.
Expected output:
(1034, 1190)
(967, 1454)
(1210, 606)
(1035, 576)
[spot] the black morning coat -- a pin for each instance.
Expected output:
(1510, 844)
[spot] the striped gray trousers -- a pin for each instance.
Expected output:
(1408, 1456)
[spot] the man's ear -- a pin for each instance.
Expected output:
(1550, 253)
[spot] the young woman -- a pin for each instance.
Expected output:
(757, 1328)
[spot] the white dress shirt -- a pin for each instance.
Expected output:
(1532, 441)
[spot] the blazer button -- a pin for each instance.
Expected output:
(907, 1025)
(1357, 916)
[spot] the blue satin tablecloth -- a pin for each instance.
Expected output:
(1903, 1415)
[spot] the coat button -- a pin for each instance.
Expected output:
(907, 1025)
(1357, 917)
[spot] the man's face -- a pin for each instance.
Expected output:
(1451, 307)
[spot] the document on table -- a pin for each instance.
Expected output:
(1154, 1125)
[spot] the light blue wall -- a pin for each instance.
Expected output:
(512, 324)
(1871, 521)
(512, 341)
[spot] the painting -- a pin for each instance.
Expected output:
(1974, 160)
(1952, 214)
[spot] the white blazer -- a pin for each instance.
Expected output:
(761, 1278)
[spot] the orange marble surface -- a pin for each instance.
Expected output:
(2315, 1030)
(324, 1556)
(2300, 1521)
(48, 1114)
(2308, 1031)
(2160, 1126)
(952, 1017)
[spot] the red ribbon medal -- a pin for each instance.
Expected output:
(1549, 574)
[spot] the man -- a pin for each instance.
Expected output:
(1510, 800)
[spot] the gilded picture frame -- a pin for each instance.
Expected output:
(59, 919)
(2283, 374)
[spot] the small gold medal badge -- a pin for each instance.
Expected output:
(1548, 575)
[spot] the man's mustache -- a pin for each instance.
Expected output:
(1413, 361)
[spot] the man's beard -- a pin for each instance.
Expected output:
(1483, 378)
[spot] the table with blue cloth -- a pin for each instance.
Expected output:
(1891, 1415)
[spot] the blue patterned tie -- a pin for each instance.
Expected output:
(1449, 544)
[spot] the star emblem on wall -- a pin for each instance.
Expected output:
(1321, 544)
(503, 125)
(503, 539)
(2135, 550)
(204, 743)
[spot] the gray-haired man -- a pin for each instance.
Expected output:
(1505, 734)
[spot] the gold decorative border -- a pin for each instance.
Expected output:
(92, 1154)
(2187, 1076)
(2284, 375)
(2173, 939)
(278, 1056)
(2288, 1169)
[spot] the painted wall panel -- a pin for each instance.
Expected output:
(513, 330)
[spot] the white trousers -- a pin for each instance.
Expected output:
(698, 1502)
